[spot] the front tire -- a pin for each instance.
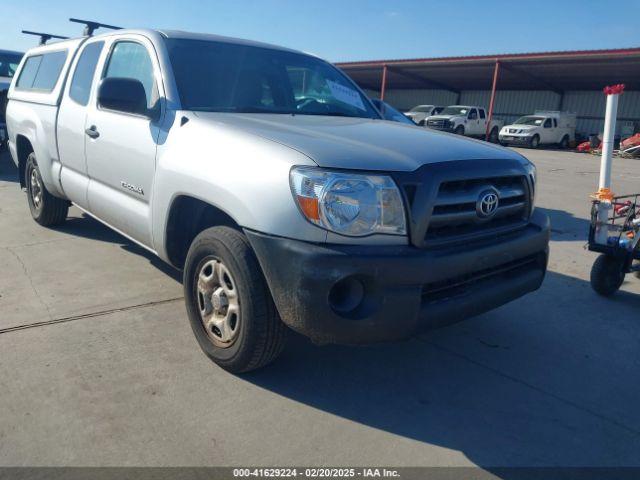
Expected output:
(535, 141)
(46, 209)
(229, 304)
(459, 130)
(607, 275)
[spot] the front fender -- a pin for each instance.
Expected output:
(241, 174)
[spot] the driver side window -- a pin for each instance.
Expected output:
(473, 114)
(131, 60)
(547, 123)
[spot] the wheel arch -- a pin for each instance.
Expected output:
(187, 217)
(24, 148)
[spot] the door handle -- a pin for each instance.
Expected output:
(92, 132)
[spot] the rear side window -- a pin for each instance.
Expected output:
(41, 72)
(481, 113)
(28, 74)
(83, 76)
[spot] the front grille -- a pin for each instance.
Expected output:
(438, 123)
(454, 217)
(453, 287)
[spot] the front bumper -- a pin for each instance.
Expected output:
(365, 294)
(514, 139)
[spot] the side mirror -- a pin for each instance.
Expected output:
(123, 95)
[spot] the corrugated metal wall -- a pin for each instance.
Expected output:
(589, 106)
(406, 99)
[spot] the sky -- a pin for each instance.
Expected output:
(350, 30)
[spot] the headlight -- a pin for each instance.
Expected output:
(348, 203)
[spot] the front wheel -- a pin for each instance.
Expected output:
(607, 275)
(459, 130)
(534, 142)
(228, 302)
(46, 209)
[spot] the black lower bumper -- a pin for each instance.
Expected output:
(364, 294)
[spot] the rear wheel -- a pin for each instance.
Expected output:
(493, 136)
(46, 209)
(607, 275)
(535, 141)
(459, 130)
(228, 302)
(564, 143)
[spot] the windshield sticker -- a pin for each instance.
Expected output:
(346, 95)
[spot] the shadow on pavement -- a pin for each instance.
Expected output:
(88, 227)
(565, 227)
(544, 381)
(8, 171)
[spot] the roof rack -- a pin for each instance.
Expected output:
(91, 26)
(44, 37)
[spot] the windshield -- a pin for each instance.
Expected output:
(224, 77)
(422, 108)
(529, 120)
(390, 113)
(9, 64)
(454, 111)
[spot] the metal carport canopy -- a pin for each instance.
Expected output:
(555, 71)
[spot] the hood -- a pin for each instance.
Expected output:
(359, 143)
(522, 127)
(444, 117)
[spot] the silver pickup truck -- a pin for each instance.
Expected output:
(270, 180)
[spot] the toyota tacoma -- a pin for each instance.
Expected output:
(268, 177)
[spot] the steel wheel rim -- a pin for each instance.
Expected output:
(36, 188)
(217, 302)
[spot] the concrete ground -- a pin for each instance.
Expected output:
(98, 365)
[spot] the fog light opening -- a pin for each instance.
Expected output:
(346, 295)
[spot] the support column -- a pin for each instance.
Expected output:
(605, 195)
(496, 71)
(383, 87)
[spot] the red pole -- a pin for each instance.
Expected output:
(384, 82)
(496, 70)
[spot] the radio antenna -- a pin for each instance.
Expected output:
(91, 26)
(44, 37)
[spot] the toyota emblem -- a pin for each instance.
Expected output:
(487, 204)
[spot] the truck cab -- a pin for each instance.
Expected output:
(541, 128)
(272, 182)
(466, 120)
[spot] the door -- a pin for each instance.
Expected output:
(547, 132)
(473, 123)
(121, 147)
(482, 121)
(71, 123)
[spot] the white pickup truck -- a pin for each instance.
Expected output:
(269, 178)
(465, 120)
(542, 128)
